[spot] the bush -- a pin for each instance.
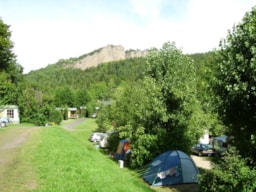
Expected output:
(113, 141)
(65, 114)
(55, 116)
(229, 174)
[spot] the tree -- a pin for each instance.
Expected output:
(6, 55)
(10, 71)
(64, 97)
(99, 91)
(8, 93)
(164, 112)
(236, 84)
(175, 113)
(230, 174)
(82, 97)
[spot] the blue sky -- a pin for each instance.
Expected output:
(44, 31)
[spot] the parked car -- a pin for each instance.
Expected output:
(4, 121)
(96, 137)
(203, 150)
(104, 141)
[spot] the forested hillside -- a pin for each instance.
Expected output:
(111, 74)
(55, 75)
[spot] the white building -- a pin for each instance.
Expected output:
(10, 111)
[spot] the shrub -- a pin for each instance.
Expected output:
(113, 141)
(55, 116)
(229, 174)
(65, 114)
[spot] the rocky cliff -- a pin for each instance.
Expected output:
(107, 54)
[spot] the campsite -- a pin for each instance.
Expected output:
(154, 105)
(72, 163)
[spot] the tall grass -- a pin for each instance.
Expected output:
(67, 161)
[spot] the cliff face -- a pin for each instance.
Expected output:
(107, 54)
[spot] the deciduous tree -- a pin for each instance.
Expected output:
(236, 85)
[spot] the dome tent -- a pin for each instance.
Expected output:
(171, 167)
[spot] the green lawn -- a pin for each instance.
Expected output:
(54, 159)
(66, 161)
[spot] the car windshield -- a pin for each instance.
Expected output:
(205, 146)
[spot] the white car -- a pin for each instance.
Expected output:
(4, 121)
(96, 137)
(104, 141)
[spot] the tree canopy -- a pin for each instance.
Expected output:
(236, 83)
(10, 71)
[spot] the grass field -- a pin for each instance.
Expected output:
(54, 160)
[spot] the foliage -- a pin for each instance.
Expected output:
(6, 55)
(235, 84)
(205, 66)
(55, 116)
(8, 93)
(230, 174)
(42, 116)
(65, 114)
(30, 102)
(10, 71)
(64, 97)
(102, 119)
(113, 141)
(165, 105)
(109, 75)
(82, 97)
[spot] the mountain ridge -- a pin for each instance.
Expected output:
(106, 54)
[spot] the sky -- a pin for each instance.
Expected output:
(44, 31)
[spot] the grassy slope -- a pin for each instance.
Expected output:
(67, 161)
(55, 159)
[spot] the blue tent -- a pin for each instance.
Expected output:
(171, 167)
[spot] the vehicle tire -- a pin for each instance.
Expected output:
(2, 124)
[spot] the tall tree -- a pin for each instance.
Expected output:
(10, 71)
(236, 85)
(6, 54)
(175, 109)
(82, 98)
(164, 113)
(64, 97)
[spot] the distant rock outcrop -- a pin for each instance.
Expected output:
(106, 54)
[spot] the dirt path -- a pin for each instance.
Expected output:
(70, 126)
(11, 141)
(201, 162)
(13, 168)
